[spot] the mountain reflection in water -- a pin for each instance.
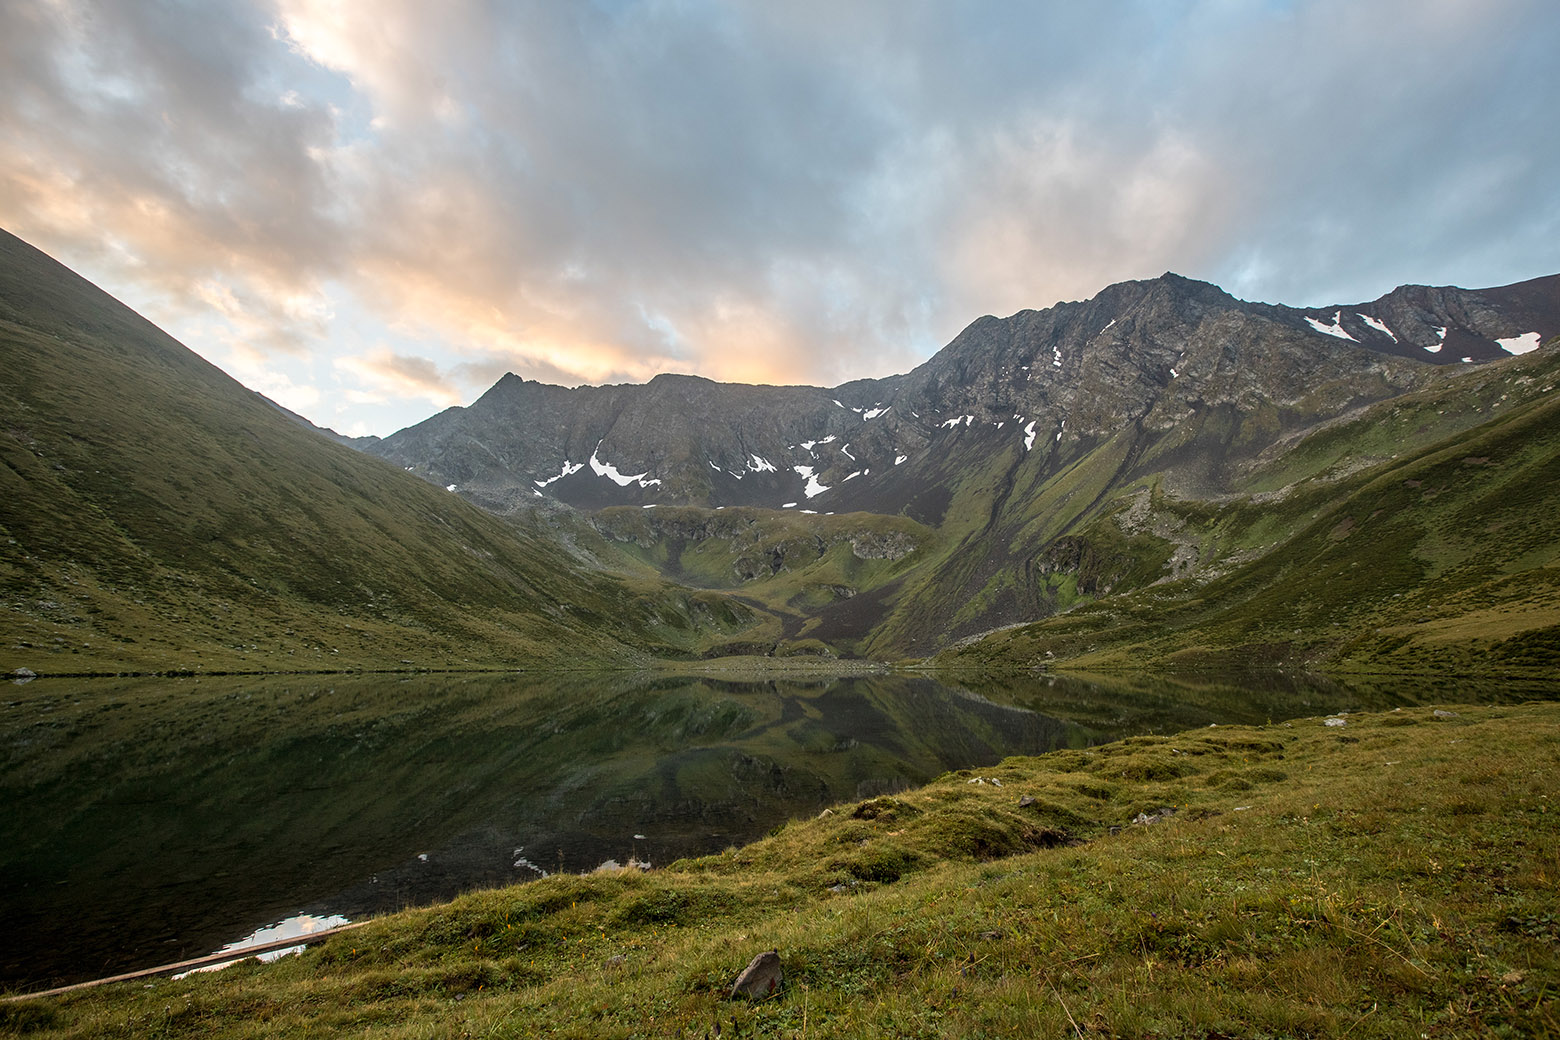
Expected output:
(152, 820)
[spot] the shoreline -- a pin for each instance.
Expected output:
(1143, 881)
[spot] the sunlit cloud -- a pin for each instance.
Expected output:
(392, 205)
(1054, 212)
(278, 386)
(398, 376)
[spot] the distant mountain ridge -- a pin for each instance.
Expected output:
(1161, 435)
(1058, 381)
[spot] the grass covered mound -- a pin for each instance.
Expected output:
(1397, 874)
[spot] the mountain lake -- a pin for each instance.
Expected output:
(154, 820)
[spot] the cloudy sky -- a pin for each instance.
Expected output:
(371, 210)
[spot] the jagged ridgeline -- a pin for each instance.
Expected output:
(155, 515)
(1228, 461)
(1160, 472)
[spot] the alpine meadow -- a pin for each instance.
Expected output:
(1128, 486)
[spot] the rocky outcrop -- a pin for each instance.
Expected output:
(761, 543)
(875, 545)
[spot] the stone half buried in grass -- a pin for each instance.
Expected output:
(761, 979)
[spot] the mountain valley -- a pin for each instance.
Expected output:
(1162, 437)
(158, 517)
(1162, 474)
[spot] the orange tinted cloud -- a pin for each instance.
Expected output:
(1054, 212)
(389, 375)
(365, 201)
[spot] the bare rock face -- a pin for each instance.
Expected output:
(760, 979)
(894, 545)
(1154, 355)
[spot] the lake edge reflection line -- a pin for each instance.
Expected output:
(220, 957)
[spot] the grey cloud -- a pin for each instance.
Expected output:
(146, 119)
(1367, 145)
(852, 182)
(646, 165)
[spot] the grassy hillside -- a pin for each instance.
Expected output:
(1414, 533)
(1379, 875)
(1137, 512)
(1380, 543)
(155, 515)
(810, 574)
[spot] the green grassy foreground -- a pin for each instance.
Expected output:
(1395, 876)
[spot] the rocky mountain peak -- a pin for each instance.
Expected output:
(1048, 384)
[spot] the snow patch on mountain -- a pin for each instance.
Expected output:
(1522, 344)
(569, 469)
(814, 487)
(1335, 329)
(611, 472)
(1377, 324)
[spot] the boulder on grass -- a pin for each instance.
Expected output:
(760, 979)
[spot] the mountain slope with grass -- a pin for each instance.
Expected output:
(1155, 475)
(1160, 439)
(1378, 875)
(1429, 515)
(157, 516)
(1418, 534)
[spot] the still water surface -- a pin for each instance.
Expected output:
(147, 821)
